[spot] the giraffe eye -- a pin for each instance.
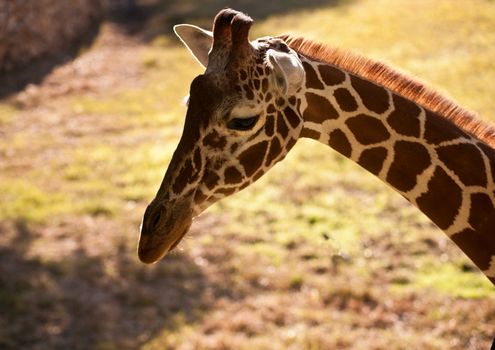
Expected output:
(242, 123)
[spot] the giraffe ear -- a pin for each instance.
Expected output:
(288, 70)
(197, 40)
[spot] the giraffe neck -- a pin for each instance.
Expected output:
(430, 160)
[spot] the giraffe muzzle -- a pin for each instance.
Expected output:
(162, 230)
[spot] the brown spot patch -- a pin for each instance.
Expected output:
(264, 85)
(271, 108)
(466, 162)
(490, 153)
(257, 84)
(258, 174)
(410, 160)
(439, 129)
(374, 97)
(312, 80)
(269, 125)
(197, 159)
(292, 117)
(214, 140)
(282, 128)
(248, 91)
(482, 216)
(244, 185)
(339, 142)
(442, 201)
(232, 175)
(345, 100)
(243, 74)
(211, 179)
(252, 158)
(290, 144)
(184, 177)
(310, 133)
(481, 207)
(372, 159)
(227, 191)
(405, 117)
(478, 247)
(367, 130)
(319, 109)
(199, 197)
(274, 151)
(331, 75)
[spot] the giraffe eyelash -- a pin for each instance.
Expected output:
(243, 124)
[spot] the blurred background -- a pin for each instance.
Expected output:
(317, 255)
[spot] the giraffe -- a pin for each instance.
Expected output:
(257, 98)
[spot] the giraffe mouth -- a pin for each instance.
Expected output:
(155, 246)
(176, 243)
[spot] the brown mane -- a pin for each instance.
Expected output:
(395, 81)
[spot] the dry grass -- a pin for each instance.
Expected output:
(327, 259)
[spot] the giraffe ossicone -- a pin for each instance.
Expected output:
(257, 98)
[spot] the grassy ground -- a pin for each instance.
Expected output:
(323, 259)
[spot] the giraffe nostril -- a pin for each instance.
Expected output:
(156, 219)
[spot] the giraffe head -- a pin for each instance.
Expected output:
(242, 118)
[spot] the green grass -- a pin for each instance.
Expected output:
(451, 280)
(20, 199)
(7, 113)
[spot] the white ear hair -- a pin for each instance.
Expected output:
(288, 69)
(197, 40)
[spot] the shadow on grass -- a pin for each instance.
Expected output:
(34, 71)
(94, 302)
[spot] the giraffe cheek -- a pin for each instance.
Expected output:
(211, 180)
(252, 158)
(199, 198)
(232, 176)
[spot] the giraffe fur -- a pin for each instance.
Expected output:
(433, 152)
